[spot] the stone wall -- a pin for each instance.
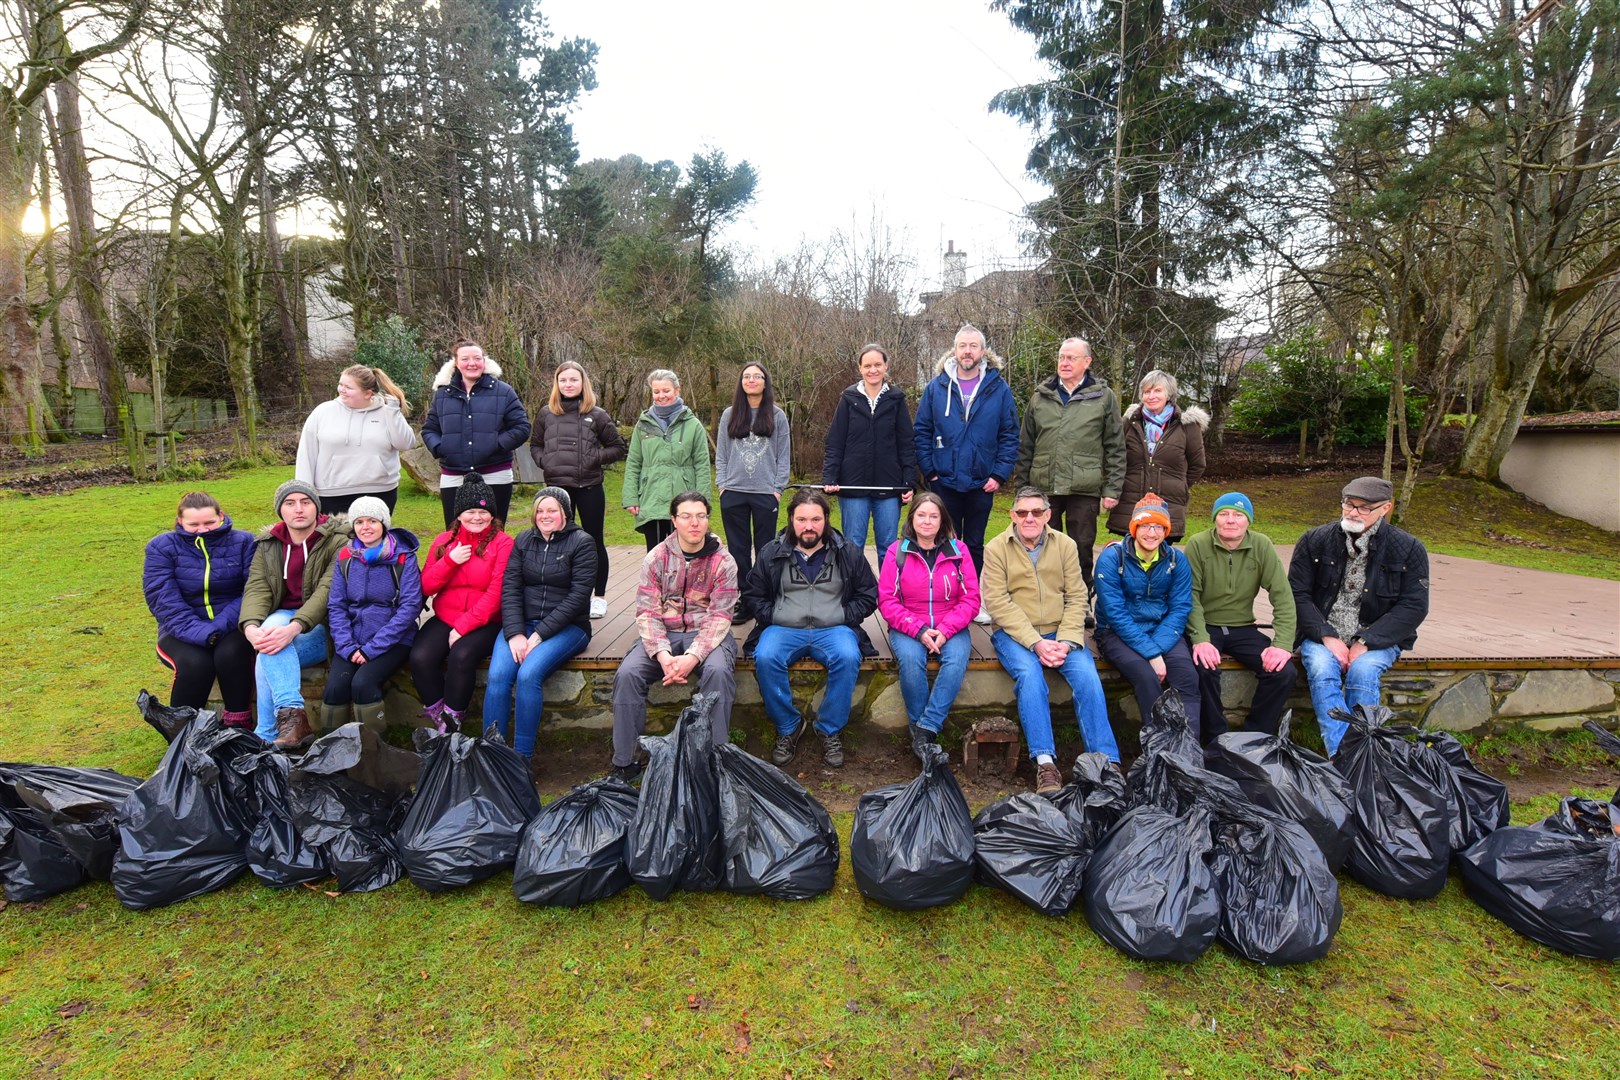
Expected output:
(1453, 700)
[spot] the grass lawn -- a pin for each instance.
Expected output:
(402, 983)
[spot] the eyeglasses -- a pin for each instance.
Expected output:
(1029, 513)
(688, 519)
(1153, 526)
(753, 378)
(1362, 508)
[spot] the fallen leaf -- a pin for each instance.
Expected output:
(72, 1009)
(745, 1038)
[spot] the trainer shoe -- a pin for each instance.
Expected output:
(598, 607)
(629, 774)
(983, 617)
(832, 751)
(1048, 781)
(787, 745)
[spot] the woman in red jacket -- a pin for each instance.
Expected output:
(928, 593)
(463, 576)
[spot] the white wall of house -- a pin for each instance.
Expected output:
(1576, 473)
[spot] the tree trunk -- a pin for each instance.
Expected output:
(239, 326)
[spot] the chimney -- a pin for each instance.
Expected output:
(954, 275)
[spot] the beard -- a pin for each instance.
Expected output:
(1353, 526)
(808, 539)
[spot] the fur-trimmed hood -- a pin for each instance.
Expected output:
(1192, 414)
(948, 362)
(448, 371)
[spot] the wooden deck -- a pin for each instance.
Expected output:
(1481, 614)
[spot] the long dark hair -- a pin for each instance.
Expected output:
(764, 420)
(947, 531)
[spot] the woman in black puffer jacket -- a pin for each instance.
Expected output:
(474, 424)
(545, 620)
(573, 442)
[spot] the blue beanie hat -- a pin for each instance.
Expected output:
(1234, 500)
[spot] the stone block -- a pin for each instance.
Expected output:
(1503, 682)
(1556, 723)
(595, 720)
(888, 710)
(1410, 685)
(1463, 707)
(1553, 693)
(1237, 689)
(563, 688)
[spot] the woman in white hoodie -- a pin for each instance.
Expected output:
(351, 444)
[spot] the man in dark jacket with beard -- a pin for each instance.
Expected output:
(810, 591)
(1361, 589)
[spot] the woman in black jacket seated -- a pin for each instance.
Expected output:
(474, 423)
(545, 614)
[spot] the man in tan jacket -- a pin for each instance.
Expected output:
(1036, 596)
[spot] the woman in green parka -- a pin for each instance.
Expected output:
(669, 454)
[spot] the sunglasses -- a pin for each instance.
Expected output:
(1029, 513)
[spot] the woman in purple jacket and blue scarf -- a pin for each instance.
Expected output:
(375, 599)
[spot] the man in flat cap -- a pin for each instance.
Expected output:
(1361, 588)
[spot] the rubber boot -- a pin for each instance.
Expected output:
(292, 727)
(332, 717)
(434, 714)
(373, 714)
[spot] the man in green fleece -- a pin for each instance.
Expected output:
(1230, 565)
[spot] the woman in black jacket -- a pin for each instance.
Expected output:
(544, 617)
(573, 442)
(871, 453)
(474, 424)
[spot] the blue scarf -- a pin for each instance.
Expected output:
(382, 551)
(1153, 426)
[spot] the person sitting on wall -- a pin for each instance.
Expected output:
(1231, 563)
(1361, 589)
(685, 601)
(809, 593)
(1036, 596)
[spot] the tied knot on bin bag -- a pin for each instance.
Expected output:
(1557, 881)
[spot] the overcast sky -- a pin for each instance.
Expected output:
(842, 106)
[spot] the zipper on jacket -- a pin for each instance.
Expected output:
(208, 573)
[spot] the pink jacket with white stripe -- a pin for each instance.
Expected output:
(912, 598)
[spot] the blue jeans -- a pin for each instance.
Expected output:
(504, 673)
(884, 514)
(925, 708)
(278, 678)
(835, 648)
(1034, 703)
(1332, 687)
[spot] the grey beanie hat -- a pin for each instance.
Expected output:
(557, 493)
(288, 488)
(369, 506)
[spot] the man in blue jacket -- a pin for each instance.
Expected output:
(967, 437)
(1361, 589)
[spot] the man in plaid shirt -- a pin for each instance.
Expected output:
(684, 606)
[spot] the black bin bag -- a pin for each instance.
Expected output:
(33, 862)
(1149, 891)
(79, 806)
(1557, 882)
(1279, 899)
(1401, 841)
(348, 795)
(184, 831)
(1166, 732)
(912, 844)
(278, 856)
(167, 721)
(1028, 846)
(1094, 798)
(674, 840)
(777, 839)
(473, 801)
(1280, 775)
(573, 852)
(1478, 802)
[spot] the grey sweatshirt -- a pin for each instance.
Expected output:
(755, 464)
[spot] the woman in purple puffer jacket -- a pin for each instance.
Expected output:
(375, 599)
(193, 581)
(928, 593)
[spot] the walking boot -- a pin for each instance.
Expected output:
(373, 715)
(292, 727)
(923, 742)
(332, 718)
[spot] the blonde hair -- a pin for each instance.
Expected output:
(374, 379)
(587, 396)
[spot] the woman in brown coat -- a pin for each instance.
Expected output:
(1164, 453)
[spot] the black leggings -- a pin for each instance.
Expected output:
(445, 672)
(349, 683)
(339, 504)
(196, 667)
(656, 532)
(503, 502)
(750, 521)
(590, 507)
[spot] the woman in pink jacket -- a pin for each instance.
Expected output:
(928, 593)
(463, 575)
